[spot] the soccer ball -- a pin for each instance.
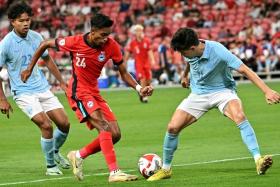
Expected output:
(148, 164)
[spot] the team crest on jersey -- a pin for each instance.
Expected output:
(61, 42)
(90, 104)
(101, 56)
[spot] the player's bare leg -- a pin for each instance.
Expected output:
(59, 117)
(107, 148)
(76, 158)
(234, 111)
(179, 121)
(106, 140)
(44, 124)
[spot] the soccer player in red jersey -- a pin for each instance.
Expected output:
(140, 47)
(89, 54)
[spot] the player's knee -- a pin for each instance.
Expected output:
(116, 136)
(239, 117)
(46, 127)
(64, 126)
(173, 129)
(65, 123)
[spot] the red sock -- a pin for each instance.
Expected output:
(108, 151)
(91, 148)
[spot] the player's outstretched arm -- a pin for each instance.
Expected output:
(126, 57)
(55, 71)
(146, 91)
(271, 96)
(50, 43)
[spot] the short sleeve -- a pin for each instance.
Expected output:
(2, 55)
(64, 44)
(41, 39)
(117, 56)
(186, 60)
(231, 60)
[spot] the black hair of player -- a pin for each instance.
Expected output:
(18, 8)
(183, 39)
(99, 21)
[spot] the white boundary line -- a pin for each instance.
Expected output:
(217, 161)
(131, 170)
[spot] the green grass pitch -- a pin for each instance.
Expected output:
(210, 152)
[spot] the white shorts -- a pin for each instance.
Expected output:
(197, 105)
(4, 74)
(32, 104)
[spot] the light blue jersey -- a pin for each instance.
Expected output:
(212, 71)
(16, 54)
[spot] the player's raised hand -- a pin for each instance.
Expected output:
(146, 91)
(25, 74)
(185, 82)
(272, 96)
(5, 107)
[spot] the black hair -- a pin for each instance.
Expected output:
(183, 39)
(18, 8)
(99, 21)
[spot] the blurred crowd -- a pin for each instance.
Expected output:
(250, 29)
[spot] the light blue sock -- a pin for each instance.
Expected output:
(59, 139)
(169, 147)
(249, 138)
(47, 147)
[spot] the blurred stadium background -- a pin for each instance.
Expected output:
(250, 29)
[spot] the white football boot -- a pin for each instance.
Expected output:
(61, 161)
(53, 171)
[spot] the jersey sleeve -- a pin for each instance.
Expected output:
(64, 44)
(186, 60)
(117, 55)
(231, 60)
(2, 55)
(46, 53)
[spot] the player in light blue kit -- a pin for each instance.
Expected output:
(212, 86)
(34, 97)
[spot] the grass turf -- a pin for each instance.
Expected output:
(212, 138)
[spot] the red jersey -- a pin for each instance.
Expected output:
(140, 49)
(87, 62)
